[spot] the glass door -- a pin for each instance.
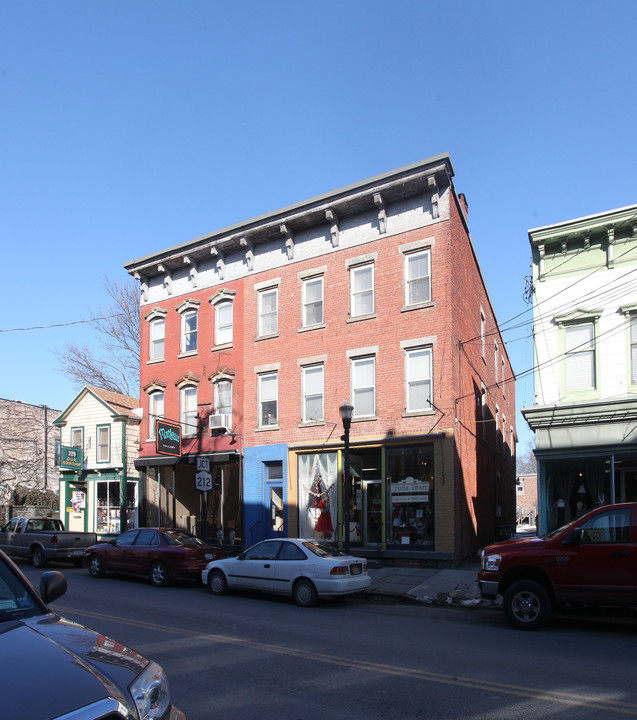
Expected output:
(373, 512)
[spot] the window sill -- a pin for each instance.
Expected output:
(154, 361)
(266, 337)
(311, 423)
(365, 418)
(267, 428)
(318, 326)
(190, 353)
(358, 318)
(223, 346)
(418, 413)
(418, 306)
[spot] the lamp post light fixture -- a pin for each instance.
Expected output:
(346, 411)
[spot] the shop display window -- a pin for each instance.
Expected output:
(410, 484)
(108, 506)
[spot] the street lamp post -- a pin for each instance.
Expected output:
(346, 411)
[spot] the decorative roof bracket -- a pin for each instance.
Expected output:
(244, 242)
(382, 213)
(289, 240)
(332, 218)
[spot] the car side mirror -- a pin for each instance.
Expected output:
(52, 586)
(242, 556)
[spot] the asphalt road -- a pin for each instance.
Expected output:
(247, 656)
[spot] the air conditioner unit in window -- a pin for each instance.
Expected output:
(220, 423)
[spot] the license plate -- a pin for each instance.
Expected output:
(356, 569)
(78, 552)
(208, 556)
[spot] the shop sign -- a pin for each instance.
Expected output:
(71, 458)
(410, 487)
(168, 438)
(410, 499)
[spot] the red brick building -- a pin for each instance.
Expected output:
(371, 293)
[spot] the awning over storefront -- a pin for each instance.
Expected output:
(159, 460)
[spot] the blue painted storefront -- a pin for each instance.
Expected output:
(265, 492)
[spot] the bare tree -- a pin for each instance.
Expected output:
(116, 368)
(526, 464)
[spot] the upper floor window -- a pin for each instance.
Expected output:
(418, 278)
(155, 411)
(268, 399)
(580, 356)
(268, 311)
(189, 410)
(189, 331)
(77, 437)
(633, 348)
(496, 364)
(364, 386)
(418, 379)
(157, 338)
(483, 339)
(313, 393)
(312, 299)
(103, 443)
(223, 397)
(223, 322)
(362, 290)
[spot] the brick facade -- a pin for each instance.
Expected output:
(444, 466)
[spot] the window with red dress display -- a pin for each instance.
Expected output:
(317, 495)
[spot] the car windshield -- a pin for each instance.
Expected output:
(323, 549)
(16, 599)
(178, 537)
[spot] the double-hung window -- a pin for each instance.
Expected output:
(189, 331)
(268, 399)
(157, 338)
(418, 379)
(417, 278)
(223, 397)
(103, 443)
(189, 410)
(223, 323)
(633, 348)
(268, 311)
(313, 393)
(362, 290)
(155, 411)
(312, 298)
(363, 381)
(580, 356)
(77, 437)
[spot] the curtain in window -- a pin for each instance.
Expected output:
(318, 512)
(580, 357)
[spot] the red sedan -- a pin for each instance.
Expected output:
(160, 554)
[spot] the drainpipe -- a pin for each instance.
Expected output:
(123, 520)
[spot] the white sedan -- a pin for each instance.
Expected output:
(304, 569)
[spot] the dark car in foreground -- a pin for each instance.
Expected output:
(590, 562)
(53, 668)
(159, 554)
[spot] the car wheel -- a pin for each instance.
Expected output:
(95, 566)
(217, 583)
(158, 574)
(526, 605)
(305, 593)
(37, 557)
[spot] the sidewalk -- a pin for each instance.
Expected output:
(457, 586)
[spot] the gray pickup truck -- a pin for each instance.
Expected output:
(42, 539)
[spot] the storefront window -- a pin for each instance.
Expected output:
(410, 475)
(108, 506)
(317, 495)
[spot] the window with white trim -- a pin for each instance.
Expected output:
(363, 382)
(362, 290)
(223, 397)
(313, 393)
(312, 299)
(189, 331)
(417, 272)
(223, 322)
(633, 348)
(188, 403)
(155, 411)
(157, 333)
(77, 437)
(418, 391)
(268, 311)
(580, 356)
(103, 443)
(268, 390)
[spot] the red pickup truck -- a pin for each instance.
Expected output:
(591, 561)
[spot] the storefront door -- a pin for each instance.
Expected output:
(373, 500)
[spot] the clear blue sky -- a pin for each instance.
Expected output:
(129, 126)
